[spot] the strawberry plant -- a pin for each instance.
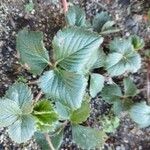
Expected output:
(68, 82)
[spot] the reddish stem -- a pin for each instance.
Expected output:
(65, 5)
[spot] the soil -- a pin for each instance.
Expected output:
(49, 18)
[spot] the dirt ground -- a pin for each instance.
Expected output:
(130, 17)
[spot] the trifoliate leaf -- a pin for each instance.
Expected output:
(137, 42)
(73, 48)
(9, 112)
(122, 58)
(32, 51)
(63, 111)
(81, 114)
(66, 87)
(21, 94)
(140, 113)
(44, 112)
(23, 129)
(99, 20)
(111, 93)
(96, 84)
(88, 138)
(129, 87)
(75, 16)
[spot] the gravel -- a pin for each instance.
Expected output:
(49, 19)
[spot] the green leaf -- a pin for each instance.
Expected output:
(122, 58)
(44, 112)
(32, 51)
(29, 6)
(23, 129)
(21, 94)
(75, 16)
(137, 42)
(9, 112)
(96, 84)
(66, 87)
(81, 114)
(73, 48)
(88, 138)
(63, 111)
(129, 87)
(140, 113)
(41, 140)
(99, 20)
(107, 25)
(110, 123)
(111, 93)
(56, 140)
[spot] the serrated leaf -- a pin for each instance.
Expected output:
(129, 87)
(88, 138)
(73, 48)
(63, 111)
(81, 114)
(140, 113)
(9, 112)
(66, 87)
(99, 20)
(44, 112)
(126, 58)
(96, 84)
(32, 51)
(110, 123)
(23, 129)
(111, 93)
(75, 16)
(137, 42)
(21, 94)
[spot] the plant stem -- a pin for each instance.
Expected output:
(49, 141)
(39, 95)
(65, 5)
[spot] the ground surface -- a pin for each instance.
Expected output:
(130, 18)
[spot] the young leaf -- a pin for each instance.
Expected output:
(99, 20)
(140, 113)
(29, 6)
(96, 84)
(32, 51)
(9, 112)
(73, 48)
(88, 138)
(75, 16)
(23, 129)
(111, 93)
(137, 42)
(110, 123)
(129, 87)
(21, 94)
(108, 25)
(81, 114)
(126, 58)
(44, 112)
(66, 87)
